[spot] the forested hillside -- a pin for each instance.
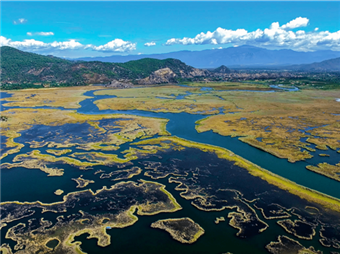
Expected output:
(22, 69)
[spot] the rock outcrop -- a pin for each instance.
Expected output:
(119, 84)
(161, 76)
(194, 73)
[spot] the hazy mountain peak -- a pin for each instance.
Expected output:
(242, 56)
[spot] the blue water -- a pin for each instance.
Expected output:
(183, 125)
(141, 237)
(285, 88)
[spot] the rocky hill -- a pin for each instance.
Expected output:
(20, 67)
(222, 69)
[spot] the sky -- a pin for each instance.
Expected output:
(81, 29)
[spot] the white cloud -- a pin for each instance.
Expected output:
(295, 23)
(35, 45)
(149, 44)
(71, 44)
(45, 33)
(116, 45)
(40, 33)
(19, 21)
(275, 36)
(4, 41)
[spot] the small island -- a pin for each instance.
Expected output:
(184, 230)
(59, 192)
(82, 183)
(219, 219)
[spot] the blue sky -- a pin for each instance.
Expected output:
(76, 29)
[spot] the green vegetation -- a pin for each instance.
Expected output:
(324, 81)
(3, 118)
(22, 70)
(144, 67)
(28, 70)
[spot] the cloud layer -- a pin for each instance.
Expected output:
(287, 36)
(19, 21)
(149, 44)
(116, 45)
(275, 36)
(40, 33)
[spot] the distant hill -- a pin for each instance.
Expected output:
(23, 67)
(327, 65)
(234, 57)
(222, 69)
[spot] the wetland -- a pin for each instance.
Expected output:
(173, 168)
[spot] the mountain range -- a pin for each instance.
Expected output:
(233, 57)
(21, 69)
(327, 65)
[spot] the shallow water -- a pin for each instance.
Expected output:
(21, 184)
(183, 125)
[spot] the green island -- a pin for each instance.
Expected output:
(184, 230)
(81, 182)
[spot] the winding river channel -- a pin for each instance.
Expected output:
(217, 238)
(183, 125)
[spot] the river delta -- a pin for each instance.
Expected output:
(195, 168)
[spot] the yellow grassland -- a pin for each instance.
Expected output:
(149, 92)
(5, 249)
(146, 99)
(332, 171)
(276, 118)
(131, 127)
(273, 121)
(59, 152)
(67, 97)
(231, 85)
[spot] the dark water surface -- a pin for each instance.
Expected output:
(183, 125)
(23, 184)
